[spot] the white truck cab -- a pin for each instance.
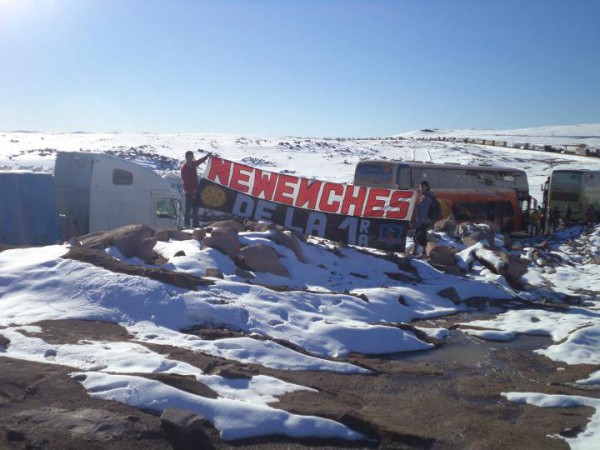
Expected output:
(96, 191)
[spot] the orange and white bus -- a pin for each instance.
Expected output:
(469, 193)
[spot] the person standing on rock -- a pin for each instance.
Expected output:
(189, 177)
(421, 221)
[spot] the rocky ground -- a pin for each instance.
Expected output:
(446, 398)
(443, 399)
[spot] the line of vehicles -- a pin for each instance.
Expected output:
(573, 149)
(93, 191)
(485, 193)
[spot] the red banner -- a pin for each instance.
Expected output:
(327, 197)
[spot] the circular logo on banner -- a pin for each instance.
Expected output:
(213, 196)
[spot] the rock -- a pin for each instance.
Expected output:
(512, 267)
(145, 249)
(185, 430)
(245, 274)
(440, 254)
(478, 236)
(451, 294)
(179, 253)
(447, 225)
(261, 258)
(290, 241)
(131, 240)
(451, 269)
(4, 342)
(177, 235)
(225, 240)
(227, 372)
(199, 234)
(233, 224)
(214, 273)
(163, 235)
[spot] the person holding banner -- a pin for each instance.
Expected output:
(189, 177)
(421, 221)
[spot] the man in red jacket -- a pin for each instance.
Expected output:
(189, 177)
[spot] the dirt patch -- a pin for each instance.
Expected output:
(416, 402)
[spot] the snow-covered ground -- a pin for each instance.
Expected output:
(323, 313)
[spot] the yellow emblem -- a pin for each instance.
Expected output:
(213, 196)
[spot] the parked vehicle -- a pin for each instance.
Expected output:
(576, 188)
(97, 192)
(456, 186)
(89, 192)
(29, 212)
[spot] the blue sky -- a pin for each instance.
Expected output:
(301, 67)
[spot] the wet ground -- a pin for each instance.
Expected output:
(446, 398)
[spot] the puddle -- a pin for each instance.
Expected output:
(463, 349)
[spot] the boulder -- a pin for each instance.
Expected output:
(290, 241)
(214, 273)
(163, 235)
(234, 224)
(512, 267)
(440, 254)
(447, 225)
(450, 269)
(131, 240)
(478, 236)
(451, 294)
(225, 240)
(144, 249)
(261, 258)
(199, 235)
(4, 342)
(247, 275)
(177, 235)
(185, 430)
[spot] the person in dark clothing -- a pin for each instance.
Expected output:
(590, 216)
(554, 219)
(421, 222)
(568, 212)
(189, 177)
(543, 220)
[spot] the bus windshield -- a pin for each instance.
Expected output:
(567, 177)
(376, 174)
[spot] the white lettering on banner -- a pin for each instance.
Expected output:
(356, 229)
(316, 224)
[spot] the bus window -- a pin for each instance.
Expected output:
(567, 177)
(466, 211)
(373, 174)
(425, 173)
(403, 177)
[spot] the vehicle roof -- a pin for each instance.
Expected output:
(419, 164)
(576, 170)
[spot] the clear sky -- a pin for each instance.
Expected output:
(301, 67)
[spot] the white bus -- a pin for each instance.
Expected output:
(576, 188)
